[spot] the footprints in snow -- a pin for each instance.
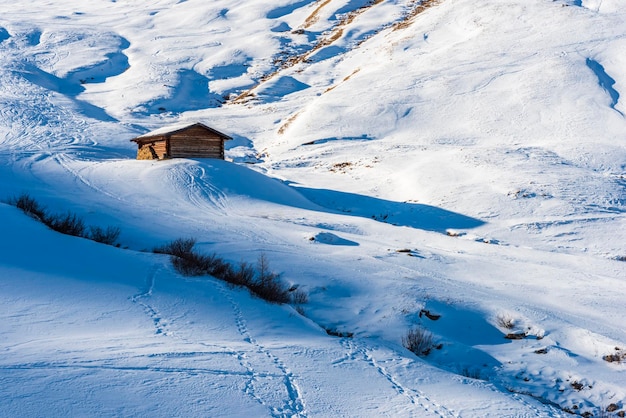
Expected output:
(294, 404)
(253, 358)
(358, 352)
(160, 325)
(267, 379)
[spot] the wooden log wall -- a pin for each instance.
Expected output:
(196, 147)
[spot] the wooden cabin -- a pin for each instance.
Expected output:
(185, 141)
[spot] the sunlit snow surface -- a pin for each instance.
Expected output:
(467, 161)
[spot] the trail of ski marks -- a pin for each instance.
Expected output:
(190, 180)
(294, 406)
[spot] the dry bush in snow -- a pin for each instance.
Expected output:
(419, 341)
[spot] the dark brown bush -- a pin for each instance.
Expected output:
(419, 341)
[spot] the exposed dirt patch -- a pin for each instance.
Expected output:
(324, 41)
(314, 17)
(417, 7)
(288, 122)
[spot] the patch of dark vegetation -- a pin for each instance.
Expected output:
(268, 285)
(108, 235)
(29, 206)
(429, 315)
(612, 407)
(516, 335)
(617, 357)
(473, 373)
(340, 334)
(66, 223)
(180, 247)
(299, 297)
(260, 280)
(505, 321)
(419, 341)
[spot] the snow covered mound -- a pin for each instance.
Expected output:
(439, 166)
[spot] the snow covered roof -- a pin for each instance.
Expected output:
(171, 129)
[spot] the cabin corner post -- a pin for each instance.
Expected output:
(168, 149)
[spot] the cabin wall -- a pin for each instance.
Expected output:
(196, 147)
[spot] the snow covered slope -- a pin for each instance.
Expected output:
(391, 158)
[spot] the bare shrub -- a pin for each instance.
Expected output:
(218, 267)
(505, 321)
(340, 334)
(106, 235)
(192, 264)
(186, 261)
(262, 282)
(271, 289)
(419, 341)
(243, 275)
(268, 284)
(69, 224)
(180, 247)
(29, 206)
(471, 373)
(299, 297)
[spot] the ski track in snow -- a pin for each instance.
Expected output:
(191, 181)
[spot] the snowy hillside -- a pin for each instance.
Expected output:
(447, 165)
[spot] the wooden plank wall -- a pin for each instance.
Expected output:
(198, 147)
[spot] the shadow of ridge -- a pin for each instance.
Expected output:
(281, 11)
(413, 215)
(62, 86)
(191, 92)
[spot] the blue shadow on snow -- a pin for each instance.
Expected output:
(286, 10)
(605, 81)
(412, 215)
